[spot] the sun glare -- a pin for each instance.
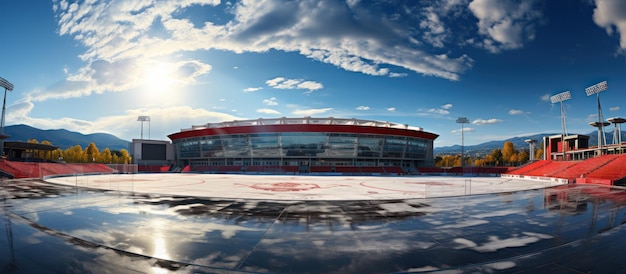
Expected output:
(159, 78)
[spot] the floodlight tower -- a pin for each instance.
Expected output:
(559, 98)
(144, 119)
(7, 86)
(462, 120)
(531, 153)
(617, 131)
(596, 89)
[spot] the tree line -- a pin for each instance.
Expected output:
(507, 156)
(76, 154)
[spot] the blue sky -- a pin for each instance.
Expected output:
(95, 66)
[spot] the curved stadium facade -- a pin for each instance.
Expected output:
(304, 145)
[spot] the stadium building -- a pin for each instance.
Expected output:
(304, 145)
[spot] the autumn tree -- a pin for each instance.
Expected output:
(523, 156)
(105, 156)
(539, 154)
(74, 154)
(490, 160)
(497, 156)
(92, 152)
(508, 150)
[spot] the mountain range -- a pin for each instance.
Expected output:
(64, 138)
(518, 142)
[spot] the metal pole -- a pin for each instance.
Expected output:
(563, 132)
(462, 149)
(4, 102)
(601, 137)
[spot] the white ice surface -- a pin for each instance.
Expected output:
(286, 187)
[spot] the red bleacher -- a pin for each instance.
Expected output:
(321, 169)
(605, 169)
(550, 169)
(394, 170)
(37, 169)
(582, 168)
(530, 167)
(155, 169)
(613, 170)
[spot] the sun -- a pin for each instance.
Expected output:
(159, 78)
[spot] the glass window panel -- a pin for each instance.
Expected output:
(236, 145)
(369, 146)
(303, 144)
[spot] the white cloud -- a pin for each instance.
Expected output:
(397, 75)
(438, 111)
(614, 108)
(247, 90)
(391, 109)
(505, 24)
(267, 111)
(274, 82)
(284, 83)
(362, 108)
(355, 37)
(480, 122)
(465, 129)
(310, 85)
(443, 110)
(310, 112)
(516, 112)
(545, 98)
(270, 102)
(611, 15)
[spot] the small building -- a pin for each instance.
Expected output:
(152, 152)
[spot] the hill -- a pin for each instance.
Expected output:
(64, 138)
(518, 142)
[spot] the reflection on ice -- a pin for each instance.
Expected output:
(113, 232)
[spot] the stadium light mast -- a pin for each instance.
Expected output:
(617, 131)
(531, 143)
(462, 120)
(7, 86)
(596, 89)
(144, 119)
(559, 98)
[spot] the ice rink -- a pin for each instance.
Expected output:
(201, 223)
(306, 188)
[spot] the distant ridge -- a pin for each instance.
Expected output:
(64, 138)
(518, 142)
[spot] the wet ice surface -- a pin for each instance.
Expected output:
(69, 229)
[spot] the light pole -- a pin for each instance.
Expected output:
(462, 120)
(596, 89)
(7, 86)
(531, 153)
(144, 119)
(559, 98)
